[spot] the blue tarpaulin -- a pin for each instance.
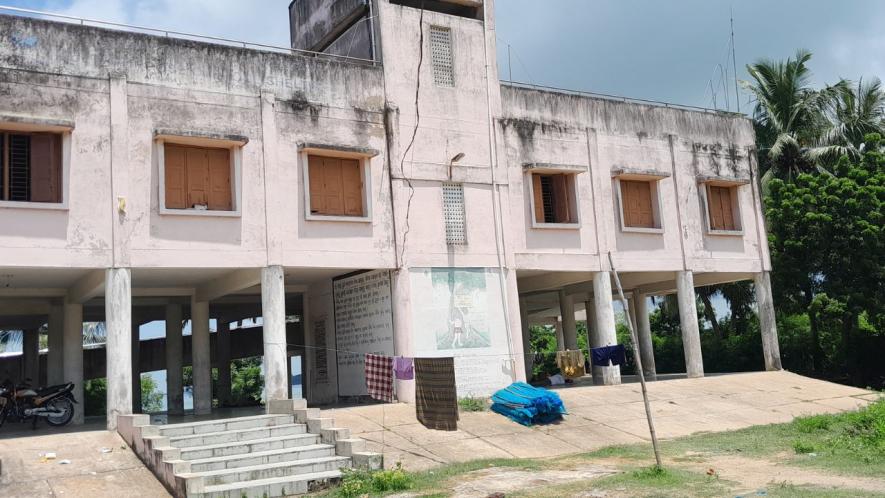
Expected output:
(528, 405)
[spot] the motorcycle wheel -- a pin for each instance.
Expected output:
(64, 406)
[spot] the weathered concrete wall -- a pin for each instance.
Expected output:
(602, 135)
(61, 71)
(314, 24)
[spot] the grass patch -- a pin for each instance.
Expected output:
(358, 482)
(654, 481)
(470, 404)
(785, 490)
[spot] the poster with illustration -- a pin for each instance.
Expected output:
(459, 312)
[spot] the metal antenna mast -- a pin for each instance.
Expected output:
(737, 97)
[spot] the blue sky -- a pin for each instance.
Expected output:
(663, 50)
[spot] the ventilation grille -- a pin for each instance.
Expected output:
(453, 211)
(441, 55)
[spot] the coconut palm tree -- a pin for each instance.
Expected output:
(789, 115)
(853, 112)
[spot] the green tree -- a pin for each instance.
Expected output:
(828, 247)
(151, 397)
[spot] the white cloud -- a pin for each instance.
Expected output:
(265, 22)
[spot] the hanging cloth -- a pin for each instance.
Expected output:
(436, 397)
(603, 355)
(571, 362)
(403, 368)
(379, 377)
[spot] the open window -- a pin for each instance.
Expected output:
(554, 199)
(31, 166)
(639, 200)
(721, 205)
(337, 182)
(199, 173)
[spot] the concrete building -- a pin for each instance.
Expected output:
(374, 189)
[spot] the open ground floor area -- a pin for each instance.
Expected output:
(210, 338)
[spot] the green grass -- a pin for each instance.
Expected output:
(652, 481)
(470, 404)
(792, 491)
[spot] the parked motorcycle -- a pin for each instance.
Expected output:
(22, 403)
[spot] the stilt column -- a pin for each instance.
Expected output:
(643, 331)
(526, 329)
(174, 359)
(273, 311)
(136, 365)
(118, 319)
(688, 321)
(55, 358)
(31, 356)
(201, 357)
(604, 334)
(222, 354)
(767, 324)
(569, 328)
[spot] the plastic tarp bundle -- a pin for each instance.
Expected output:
(528, 405)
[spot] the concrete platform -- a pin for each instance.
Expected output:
(601, 416)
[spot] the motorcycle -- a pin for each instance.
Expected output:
(22, 403)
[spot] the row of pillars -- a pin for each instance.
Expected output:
(601, 326)
(65, 358)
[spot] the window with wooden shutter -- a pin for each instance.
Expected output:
(30, 167)
(721, 208)
(336, 186)
(554, 198)
(637, 203)
(197, 178)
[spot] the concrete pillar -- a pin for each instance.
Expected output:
(273, 313)
(688, 321)
(767, 325)
(31, 356)
(569, 328)
(643, 331)
(118, 318)
(55, 357)
(402, 329)
(174, 359)
(514, 326)
(201, 357)
(136, 365)
(560, 339)
(604, 334)
(526, 329)
(222, 359)
(72, 352)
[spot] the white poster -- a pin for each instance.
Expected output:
(459, 312)
(363, 324)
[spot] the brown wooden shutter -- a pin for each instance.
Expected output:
(333, 188)
(45, 167)
(316, 175)
(352, 187)
(560, 198)
(197, 176)
(714, 207)
(727, 212)
(175, 168)
(539, 201)
(637, 204)
(220, 198)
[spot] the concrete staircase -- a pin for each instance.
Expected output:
(290, 451)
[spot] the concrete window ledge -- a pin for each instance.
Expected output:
(46, 206)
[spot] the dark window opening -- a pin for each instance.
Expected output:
(554, 198)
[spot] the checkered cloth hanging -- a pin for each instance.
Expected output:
(379, 377)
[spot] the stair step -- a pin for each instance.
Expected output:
(221, 425)
(269, 488)
(232, 436)
(267, 471)
(263, 457)
(248, 446)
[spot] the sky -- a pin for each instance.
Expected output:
(652, 49)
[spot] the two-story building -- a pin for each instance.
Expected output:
(375, 188)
